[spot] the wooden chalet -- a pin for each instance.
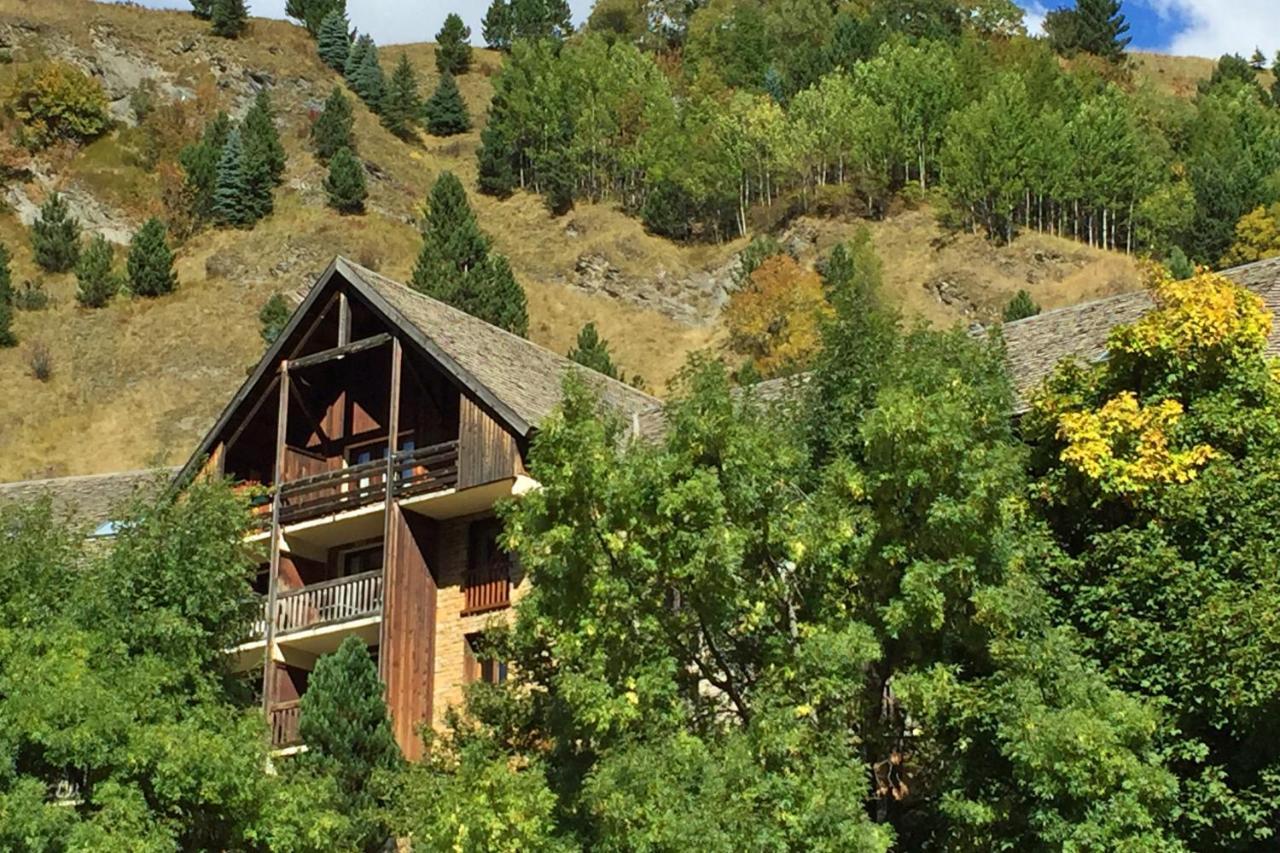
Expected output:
(374, 438)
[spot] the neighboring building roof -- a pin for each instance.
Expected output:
(1037, 344)
(89, 500)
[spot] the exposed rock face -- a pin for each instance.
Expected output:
(952, 294)
(694, 299)
(94, 216)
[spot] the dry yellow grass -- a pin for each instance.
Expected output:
(138, 382)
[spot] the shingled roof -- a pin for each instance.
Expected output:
(90, 500)
(1037, 344)
(526, 377)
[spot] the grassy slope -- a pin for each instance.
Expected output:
(137, 383)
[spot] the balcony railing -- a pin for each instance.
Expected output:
(488, 586)
(284, 724)
(414, 472)
(339, 600)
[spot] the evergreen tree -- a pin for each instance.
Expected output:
(345, 183)
(200, 166)
(355, 56)
(533, 19)
(445, 110)
(332, 129)
(402, 106)
(453, 46)
(312, 13)
(497, 25)
(273, 317)
(229, 18)
(263, 155)
(202, 9)
(150, 263)
(7, 338)
(334, 40)
(55, 236)
(1275, 83)
(345, 726)
(96, 282)
(369, 82)
(456, 265)
(593, 351)
(497, 154)
(1020, 307)
(1100, 28)
(1258, 60)
(232, 203)
(1178, 265)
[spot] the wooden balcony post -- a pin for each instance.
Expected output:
(388, 541)
(273, 575)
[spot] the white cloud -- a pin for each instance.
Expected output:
(392, 21)
(1214, 27)
(1033, 16)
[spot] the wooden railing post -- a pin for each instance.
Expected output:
(389, 547)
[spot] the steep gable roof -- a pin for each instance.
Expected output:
(518, 379)
(88, 500)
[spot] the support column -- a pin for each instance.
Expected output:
(389, 576)
(273, 576)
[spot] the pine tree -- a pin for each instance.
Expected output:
(497, 155)
(1258, 60)
(55, 236)
(402, 105)
(453, 48)
(96, 282)
(593, 351)
(446, 112)
(200, 166)
(273, 317)
(355, 56)
(496, 26)
(334, 40)
(229, 18)
(369, 82)
(263, 155)
(1020, 307)
(150, 263)
(332, 130)
(1101, 28)
(312, 13)
(202, 9)
(232, 202)
(456, 265)
(7, 338)
(345, 183)
(345, 726)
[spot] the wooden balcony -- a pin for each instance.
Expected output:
(488, 586)
(284, 718)
(330, 602)
(414, 472)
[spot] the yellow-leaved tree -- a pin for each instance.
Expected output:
(55, 101)
(1257, 237)
(774, 319)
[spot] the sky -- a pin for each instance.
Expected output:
(1189, 27)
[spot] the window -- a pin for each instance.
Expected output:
(488, 580)
(480, 668)
(357, 561)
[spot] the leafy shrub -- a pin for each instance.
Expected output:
(273, 317)
(40, 361)
(31, 296)
(56, 101)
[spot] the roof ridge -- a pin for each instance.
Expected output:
(568, 362)
(160, 471)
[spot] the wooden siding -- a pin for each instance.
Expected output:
(408, 626)
(486, 451)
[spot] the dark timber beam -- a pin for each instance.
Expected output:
(273, 578)
(315, 324)
(253, 413)
(306, 412)
(340, 352)
(390, 566)
(344, 319)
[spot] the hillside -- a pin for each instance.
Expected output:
(136, 383)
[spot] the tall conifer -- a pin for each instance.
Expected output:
(345, 184)
(369, 81)
(334, 40)
(232, 203)
(229, 17)
(332, 130)
(445, 110)
(496, 26)
(402, 104)
(55, 236)
(150, 262)
(453, 46)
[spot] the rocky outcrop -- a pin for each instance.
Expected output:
(694, 299)
(94, 216)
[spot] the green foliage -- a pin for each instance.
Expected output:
(367, 79)
(7, 338)
(445, 111)
(345, 184)
(355, 56)
(228, 18)
(234, 203)
(272, 318)
(456, 264)
(497, 25)
(150, 263)
(263, 154)
(333, 41)
(1020, 307)
(453, 46)
(312, 13)
(593, 351)
(1094, 26)
(54, 102)
(202, 9)
(96, 281)
(402, 104)
(348, 734)
(1178, 265)
(332, 130)
(55, 236)
(1232, 70)
(760, 248)
(200, 167)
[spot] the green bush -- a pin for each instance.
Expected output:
(273, 317)
(96, 281)
(55, 101)
(1020, 307)
(151, 261)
